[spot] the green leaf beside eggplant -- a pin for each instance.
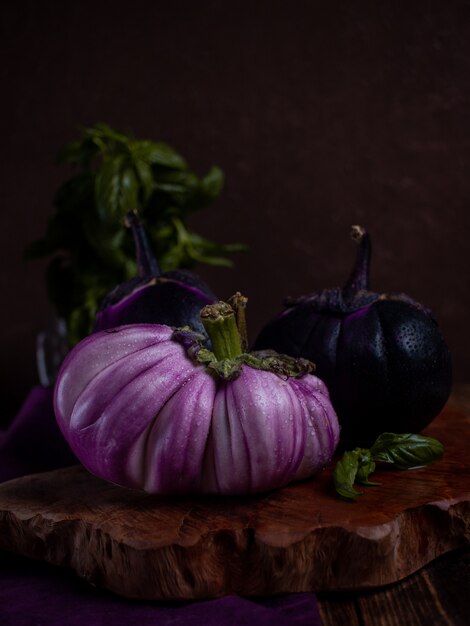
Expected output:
(91, 253)
(402, 451)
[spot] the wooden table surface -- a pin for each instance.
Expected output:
(436, 595)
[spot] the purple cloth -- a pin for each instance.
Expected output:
(38, 594)
(33, 442)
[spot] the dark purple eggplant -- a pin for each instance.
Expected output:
(173, 298)
(382, 356)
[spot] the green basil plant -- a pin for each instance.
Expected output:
(90, 251)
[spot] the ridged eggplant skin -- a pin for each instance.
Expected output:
(137, 411)
(383, 357)
(387, 366)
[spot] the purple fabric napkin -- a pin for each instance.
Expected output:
(33, 442)
(42, 595)
(38, 594)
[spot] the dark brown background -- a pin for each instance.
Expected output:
(322, 114)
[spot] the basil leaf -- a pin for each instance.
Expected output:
(108, 187)
(157, 153)
(344, 475)
(365, 466)
(129, 192)
(102, 131)
(382, 443)
(406, 450)
(212, 184)
(145, 174)
(364, 471)
(117, 172)
(116, 189)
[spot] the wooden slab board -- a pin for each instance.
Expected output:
(299, 538)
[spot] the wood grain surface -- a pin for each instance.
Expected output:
(436, 595)
(300, 538)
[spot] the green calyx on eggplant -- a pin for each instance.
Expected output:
(382, 356)
(173, 298)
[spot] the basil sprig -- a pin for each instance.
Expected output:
(403, 451)
(90, 252)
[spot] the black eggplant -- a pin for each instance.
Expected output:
(174, 298)
(382, 356)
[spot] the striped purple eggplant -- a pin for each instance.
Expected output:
(148, 407)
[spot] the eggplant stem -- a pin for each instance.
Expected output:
(359, 277)
(147, 264)
(238, 304)
(220, 323)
